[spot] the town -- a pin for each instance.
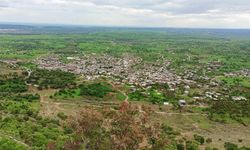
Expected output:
(124, 70)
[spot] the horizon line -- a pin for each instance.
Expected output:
(115, 26)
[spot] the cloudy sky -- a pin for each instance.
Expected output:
(146, 13)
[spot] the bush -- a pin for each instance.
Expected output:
(169, 131)
(96, 89)
(192, 145)
(209, 148)
(180, 147)
(51, 79)
(26, 97)
(13, 85)
(8, 144)
(61, 115)
(209, 140)
(230, 146)
(199, 139)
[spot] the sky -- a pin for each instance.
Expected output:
(136, 13)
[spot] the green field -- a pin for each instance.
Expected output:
(56, 109)
(232, 52)
(236, 81)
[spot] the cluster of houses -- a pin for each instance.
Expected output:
(10, 62)
(214, 65)
(243, 73)
(127, 69)
(134, 71)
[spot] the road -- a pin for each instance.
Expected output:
(114, 86)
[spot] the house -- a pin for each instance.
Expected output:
(182, 103)
(239, 98)
(166, 103)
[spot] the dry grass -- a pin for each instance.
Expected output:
(5, 69)
(187, 125)
(220, 133)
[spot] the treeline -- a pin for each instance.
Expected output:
(157, 94)
(21, 120)
(236, 110)
(51, 79)
(25, 97)
(96, 90)
(12, 85)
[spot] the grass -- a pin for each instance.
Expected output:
(7, 70)
(202, 122)
(68, 94)
(120, 96)
(91, 91)
(236, 81)
(197, 124)
(149, 46)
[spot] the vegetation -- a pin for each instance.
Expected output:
(51, 79)
(21, 120)
(201, 56)
(236, 81)
(26, 97)
(12, 85)
(231, 146)
(8, 144)
(109, 129)
(153, 95)
(235, 110)
(199, 139)
(96, 89)
(202, 46)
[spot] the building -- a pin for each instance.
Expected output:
(182, 103)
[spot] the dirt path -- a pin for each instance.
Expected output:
(49, 107)
(172, 113)
(184, 114)
(114, 86)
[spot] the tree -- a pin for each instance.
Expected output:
(199, 139)
(115, 130)
(230, 146)
(192, 145)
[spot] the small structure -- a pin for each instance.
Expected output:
(182, 103)
(239, 98)
(166, 103)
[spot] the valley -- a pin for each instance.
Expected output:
(124, 89)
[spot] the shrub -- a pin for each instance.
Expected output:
(230, 146)
(209, 148)
(8, 144)
(61, 115)
(192, 145)
(199, 139)
(180, 147)
(169, 130)
(209, 140)
(96, 89)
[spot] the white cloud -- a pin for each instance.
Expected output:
(164, 13)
